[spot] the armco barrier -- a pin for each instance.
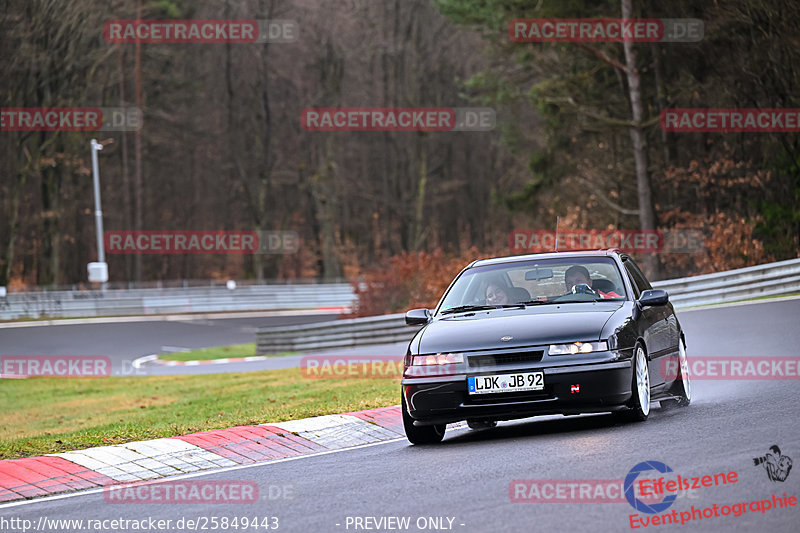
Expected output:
(336, 334)
(772, 279)
(65, 304)
(764, 280)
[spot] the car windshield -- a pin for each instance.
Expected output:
(542, 281)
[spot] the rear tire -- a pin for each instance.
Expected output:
(683, 386)
(420, 434)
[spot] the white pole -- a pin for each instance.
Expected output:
(98, 213)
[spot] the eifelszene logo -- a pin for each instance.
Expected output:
(638, 504)
(777, 465)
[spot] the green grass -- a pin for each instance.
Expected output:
(217, 352)
(772, 297)
(49, 415)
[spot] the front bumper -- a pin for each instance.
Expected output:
(600, 387)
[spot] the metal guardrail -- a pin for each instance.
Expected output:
(173, 284)
(772, 279)
(335, 334)
(70, 304)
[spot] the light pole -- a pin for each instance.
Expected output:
(98, 271)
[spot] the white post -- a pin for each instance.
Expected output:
(98, 213)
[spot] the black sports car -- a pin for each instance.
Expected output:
(570, 332)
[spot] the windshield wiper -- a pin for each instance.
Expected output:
(462, 308)
(537, 302)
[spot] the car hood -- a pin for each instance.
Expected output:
(533, 326)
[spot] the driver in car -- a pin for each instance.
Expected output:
(578, 281)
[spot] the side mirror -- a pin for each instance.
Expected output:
(653, 297)
(417, 317)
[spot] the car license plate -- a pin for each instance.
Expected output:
(519, 382)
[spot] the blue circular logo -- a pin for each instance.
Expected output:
(636, 503)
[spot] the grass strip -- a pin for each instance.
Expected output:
(217, 352)
(49, 415)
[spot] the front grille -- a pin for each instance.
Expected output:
(477, 361)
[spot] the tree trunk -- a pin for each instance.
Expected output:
(127, 216)
(647, 219)
(138, 193)
(264, 183)
(13, 228)
(50, 189)
(419, 211)
(322, 188)
(658, 71)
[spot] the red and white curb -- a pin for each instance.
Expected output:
(138, 363)
(213, 361)
(338, 431)
(34, 477)
(154, 359)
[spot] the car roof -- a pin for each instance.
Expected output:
(551, 255)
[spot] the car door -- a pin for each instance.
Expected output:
(654, 324)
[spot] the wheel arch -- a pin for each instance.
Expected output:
(640, 340)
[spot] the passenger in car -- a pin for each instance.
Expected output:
(579, 275)
(496, 295)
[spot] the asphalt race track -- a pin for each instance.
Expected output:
(124, 342)
(467, 477)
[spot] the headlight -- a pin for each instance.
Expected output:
(437, 359)
(577, 347)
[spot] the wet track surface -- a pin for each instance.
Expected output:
(124, 342)
(467, 477)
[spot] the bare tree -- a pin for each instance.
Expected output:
(647, 217)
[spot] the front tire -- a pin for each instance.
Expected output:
(420, 434)
(640, 388)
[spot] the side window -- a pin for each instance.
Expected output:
(640, 283)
